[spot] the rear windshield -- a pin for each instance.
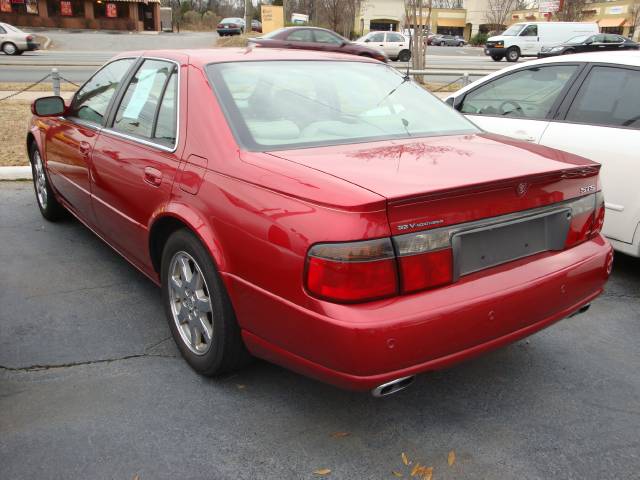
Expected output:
(276, 105)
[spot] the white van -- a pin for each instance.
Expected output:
(527, 39)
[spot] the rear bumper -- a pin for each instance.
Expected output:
(362, 346)
(32, 46)
(227, 31)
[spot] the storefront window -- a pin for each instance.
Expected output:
(104, 9)
(66, 8)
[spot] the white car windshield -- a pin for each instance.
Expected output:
(513, 31)
(274, 105)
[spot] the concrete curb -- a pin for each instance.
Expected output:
(15, 173)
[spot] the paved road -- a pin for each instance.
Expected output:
(117, 401)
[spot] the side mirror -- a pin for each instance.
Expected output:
(343, 43)
(48, 107)
(367, 40)
(589, 41)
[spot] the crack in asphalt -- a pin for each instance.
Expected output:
(38, 367)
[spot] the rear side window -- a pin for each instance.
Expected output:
(394, 37)
(166, 126)
(300, 36)
(609, 96)
(528, 93)
(92, 100)
(326, 37)
(138, 109)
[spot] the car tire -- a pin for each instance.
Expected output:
(568, 52)
(10, 48)
(404, 56)
(49, 206)
(497, 58)
(513, 54)
(198, 309)
(442, 44)
(460, 44)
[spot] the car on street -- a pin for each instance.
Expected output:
(231, 26)
(314, 38)
(527, 39)
(446, 41)
(14, 41)
(394, 45)
(586, 104)
(320, 211)
(256, 26)
(603, 42)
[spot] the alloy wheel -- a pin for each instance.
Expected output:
(40, 180)
(190, 303)
(9, 49)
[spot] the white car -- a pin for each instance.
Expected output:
(587, 104)
(14, 41)
(395, 45)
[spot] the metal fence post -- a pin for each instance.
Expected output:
(465, 79)
(55, 81)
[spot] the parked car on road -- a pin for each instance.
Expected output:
(395, 45)
(602, 42)
(231, 26)
(14, 41)
(586, 104)
(528, 38)
(314, 38)
(320, 211)
(256, 26)
(447, 40)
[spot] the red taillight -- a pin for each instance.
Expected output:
(352, 272)
(587, 216)
(29, 38)
(426, 270)
(220, 25)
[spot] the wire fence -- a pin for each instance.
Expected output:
(56, 79)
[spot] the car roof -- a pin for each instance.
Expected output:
(201, 57)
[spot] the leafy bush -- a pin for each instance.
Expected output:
(210, 19)
(479, 39)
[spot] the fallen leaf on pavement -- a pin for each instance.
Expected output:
(240, 386)
(136, 477)
(340, 434)
(322, 471)
(397, 474)
(428, 473)
(405, 460)
(452, 458)
(418, 469)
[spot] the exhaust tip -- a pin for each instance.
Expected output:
(582, 309)
(393, 386)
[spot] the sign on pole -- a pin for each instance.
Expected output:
(549, 6)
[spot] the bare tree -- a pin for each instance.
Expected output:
(571, 10)
(418, 19)
(498, 11)
(634, 14)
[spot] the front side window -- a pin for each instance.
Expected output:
(528, 93)
(293, 104)
(376, 37)
(92, 100)
(326, 37)
(137, 111)
(609, 96)
(301, 36)
(513, 30)
(530, 31)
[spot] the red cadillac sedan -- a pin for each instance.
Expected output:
(320, 211)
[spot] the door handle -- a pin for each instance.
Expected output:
(152, 176)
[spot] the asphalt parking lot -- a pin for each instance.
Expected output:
(92, 387)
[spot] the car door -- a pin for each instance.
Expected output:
(136, 157)
(393, 43)
(602, 123)
(597, 45)
(376, 41)
(520, 103)
(327, 41)
(613, 42)
(69, 143)
(529, 40)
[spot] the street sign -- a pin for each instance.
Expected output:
(549, 6)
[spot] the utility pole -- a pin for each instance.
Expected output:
(247, 16)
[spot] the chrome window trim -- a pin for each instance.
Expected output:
(150, 142)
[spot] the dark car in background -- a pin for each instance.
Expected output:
(231, 26)
(256, 26)
(314, 38)
(590, 43)
(446, 40)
